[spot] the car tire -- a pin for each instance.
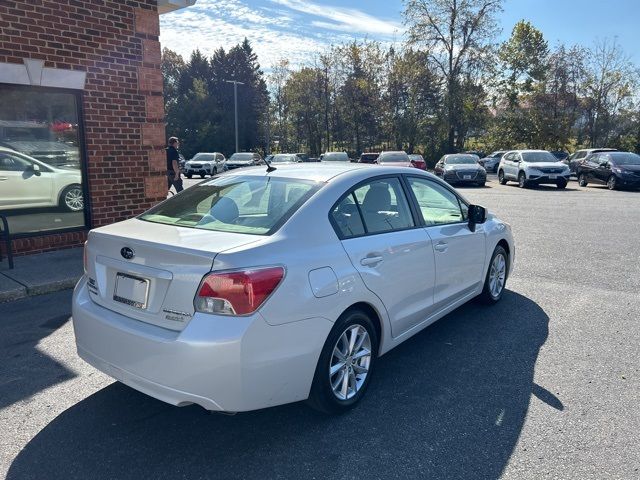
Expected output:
(612, 183)
(202, 175)
(582, 180)
(72, 198)
(522, 180)
(215, 171)
(327, 388)
(188, 175)
(501, 179)
(561, 184)
(496, 279)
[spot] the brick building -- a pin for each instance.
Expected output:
(81, 116)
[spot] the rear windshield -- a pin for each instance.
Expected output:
(538, 157)
(284, 158)
(242, 156)
(335, 157)
(393, 157)
(242, 204)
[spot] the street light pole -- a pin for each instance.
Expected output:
(235, 103)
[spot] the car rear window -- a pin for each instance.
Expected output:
(242, 204)
(393, 157)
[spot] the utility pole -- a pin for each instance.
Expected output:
(235, 103)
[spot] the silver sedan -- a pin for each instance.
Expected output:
(262, 287)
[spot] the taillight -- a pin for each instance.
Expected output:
(238, 292)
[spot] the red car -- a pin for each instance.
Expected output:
(400, 158)
(418, 161)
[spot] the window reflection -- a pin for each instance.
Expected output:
(41, 184)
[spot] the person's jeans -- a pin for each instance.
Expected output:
(176, 183)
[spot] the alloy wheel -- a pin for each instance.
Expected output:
(497, 275)
(611, 183)
(74, 199)
(350, 360)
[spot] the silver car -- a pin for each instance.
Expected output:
(261, 287)
(205, 164)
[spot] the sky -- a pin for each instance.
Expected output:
(299, 29)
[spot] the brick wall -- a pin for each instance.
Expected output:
(116, 43)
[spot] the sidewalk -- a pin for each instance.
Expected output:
(40, 273)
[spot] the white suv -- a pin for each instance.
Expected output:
(205, 164)
(533, 167)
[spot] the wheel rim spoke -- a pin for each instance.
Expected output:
(350, 360)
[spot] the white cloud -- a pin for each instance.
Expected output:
(343, 18)
(275, 33)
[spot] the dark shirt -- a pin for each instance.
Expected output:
(172, 154)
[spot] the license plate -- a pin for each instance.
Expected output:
(131, 290)
(467, 177)
(553, 177)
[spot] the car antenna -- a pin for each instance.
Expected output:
(269, 167)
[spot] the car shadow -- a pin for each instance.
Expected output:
(448, 403)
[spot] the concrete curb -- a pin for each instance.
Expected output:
(41, 273)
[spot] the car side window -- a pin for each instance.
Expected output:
(384, 206)
(581, 155)
(12, 163)
(347, 218)
(438, 205)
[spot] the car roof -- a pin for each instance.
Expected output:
(321, 172)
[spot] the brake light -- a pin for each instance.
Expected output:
(237, 293)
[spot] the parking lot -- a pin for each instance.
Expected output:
(542, 385)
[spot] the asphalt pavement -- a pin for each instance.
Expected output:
(544, 384)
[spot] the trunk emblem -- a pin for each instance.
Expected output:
(127, 253)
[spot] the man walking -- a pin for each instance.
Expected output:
(173, 165)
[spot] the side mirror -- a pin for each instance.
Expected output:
(35, 168)
(477, 215)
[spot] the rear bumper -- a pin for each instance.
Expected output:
(221, 363)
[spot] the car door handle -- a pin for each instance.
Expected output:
(371, 260)
(441, 247)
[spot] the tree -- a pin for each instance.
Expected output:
(524, 58)
(456, 34)
(610, 87)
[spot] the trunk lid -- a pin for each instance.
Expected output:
(151, 272)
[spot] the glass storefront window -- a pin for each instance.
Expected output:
(42, 185)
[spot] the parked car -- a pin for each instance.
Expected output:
(577, 157)
(533, 167)
(613, 169)
(26, 182)
(369, 157)
(286, 158)
(559, 154)
(398, 158)
(491, 161)
(460, 169)
(205, 164)
(418, 161)
(335, 157)
(304, 157)
(244, 159)
(35, 140)
(477, 153)
(206, 298)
